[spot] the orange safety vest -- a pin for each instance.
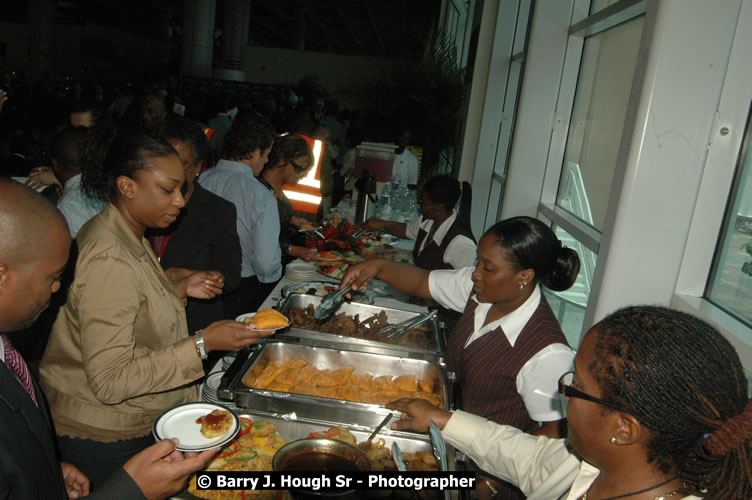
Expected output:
(208, 132)
(305, 196)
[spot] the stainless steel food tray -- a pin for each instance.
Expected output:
(365, 311)
(320, 408)
(291, 427)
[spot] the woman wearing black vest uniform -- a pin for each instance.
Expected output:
(507, 350)
(443, 238)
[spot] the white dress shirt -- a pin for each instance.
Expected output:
(76, 207)
(461, 251)
(543, 468)
(405, 168)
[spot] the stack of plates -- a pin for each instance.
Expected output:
(209, 389)
(300, 271)
(228, 359)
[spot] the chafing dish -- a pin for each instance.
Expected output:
(321, 408)
(291, 426)
(364, 311)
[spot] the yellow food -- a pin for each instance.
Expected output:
(256, 445)
(268, 318)
(299, 377)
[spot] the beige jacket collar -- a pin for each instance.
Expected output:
(114, 221)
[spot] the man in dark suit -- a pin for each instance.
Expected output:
(33, 254)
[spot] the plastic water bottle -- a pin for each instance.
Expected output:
(385, 203)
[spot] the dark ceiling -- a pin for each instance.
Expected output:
(390, 28)
(387, 28)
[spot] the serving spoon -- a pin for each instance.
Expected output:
(366, 445)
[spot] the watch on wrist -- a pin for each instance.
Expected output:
(200, 345)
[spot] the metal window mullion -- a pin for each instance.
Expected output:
(562, 118)
(607, 18)
(579, 230)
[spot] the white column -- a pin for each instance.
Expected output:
(664, 148)
(198, 38)
(234, 40)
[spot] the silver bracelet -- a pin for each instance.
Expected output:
(200, 345)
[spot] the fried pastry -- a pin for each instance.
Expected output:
(361, 381)
(406, 383)
(268, 318)
(215, 424)
(381, 383)
(324, 378)
(299, 377)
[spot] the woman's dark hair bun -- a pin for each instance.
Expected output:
(533, 245)
(564, 272)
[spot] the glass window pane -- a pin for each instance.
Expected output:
(569, 305)
(598, 5)
(600, 107)
(730, 285)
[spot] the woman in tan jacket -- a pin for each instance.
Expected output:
(120, 352)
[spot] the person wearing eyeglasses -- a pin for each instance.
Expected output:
(204, 236)
(507, 349)
(289, 161)
(657, 408)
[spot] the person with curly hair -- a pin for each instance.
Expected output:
(246, 150)
(657, 408)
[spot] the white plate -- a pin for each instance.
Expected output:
(180, 422)
(324, 259)
(300, 267)
(242, 317)
(213, 380)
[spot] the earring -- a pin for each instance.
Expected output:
(613, 440)
(522, 285)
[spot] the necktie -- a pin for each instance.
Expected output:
(17, 366)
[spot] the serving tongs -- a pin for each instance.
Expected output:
(330, 303)
(397, 329)
(439, 447)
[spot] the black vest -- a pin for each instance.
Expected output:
(487, 369)
(432, 256)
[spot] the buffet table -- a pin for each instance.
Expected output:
(296, 415)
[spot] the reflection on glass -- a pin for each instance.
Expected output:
(569, 305)
(598, 5)
(730, 285)
(600, 107)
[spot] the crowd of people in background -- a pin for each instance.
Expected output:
(177, 199)
(51, 130)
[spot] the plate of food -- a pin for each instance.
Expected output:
(252, 450)
(327, 256)
(335, 269)
(317, 288)
(198, 426)
(266, 319)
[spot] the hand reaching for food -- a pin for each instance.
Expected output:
(231, 335)
(416, 413)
